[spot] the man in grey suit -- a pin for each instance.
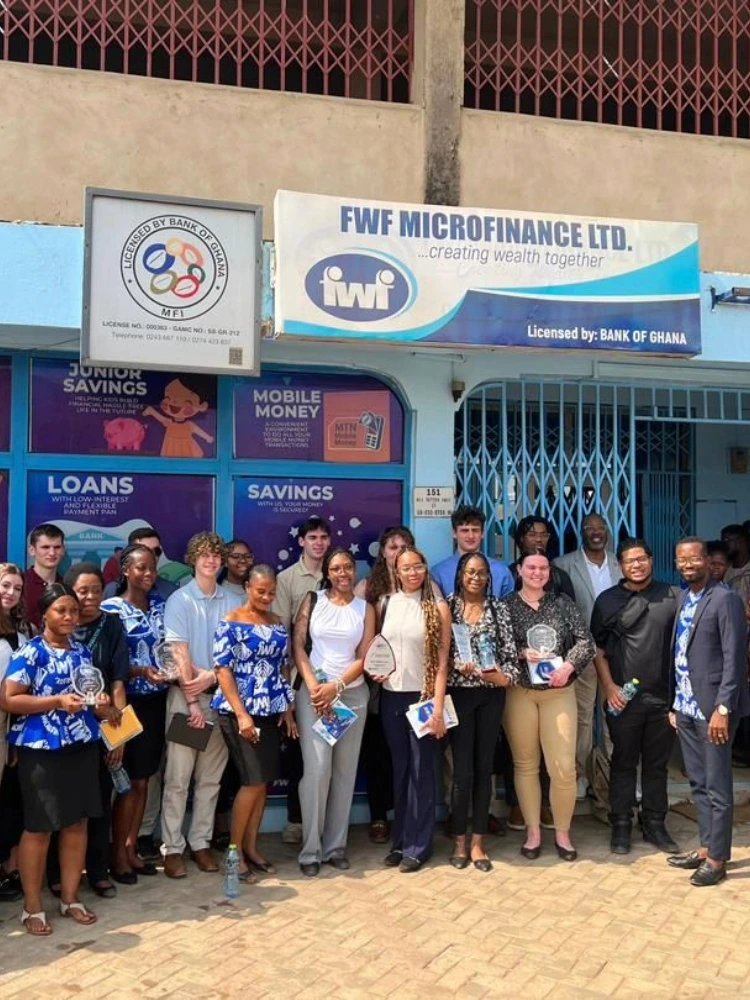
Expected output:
(709, 688)
(592, 570)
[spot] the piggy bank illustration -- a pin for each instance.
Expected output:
(124, 434)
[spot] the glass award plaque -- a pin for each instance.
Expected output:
(543, 640)
(486, 650)
(168, 656)
(380, 660)
(87, 682)
(463, 643)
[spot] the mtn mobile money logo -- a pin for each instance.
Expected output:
(359, 287)
(174, 267)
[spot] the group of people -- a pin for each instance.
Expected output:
(507, 661)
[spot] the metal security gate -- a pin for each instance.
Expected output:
(560, 449)
(565, 449)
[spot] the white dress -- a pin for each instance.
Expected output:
(336, 631)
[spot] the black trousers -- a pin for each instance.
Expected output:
(291, 770)
(98, 842)
(480, 712)
(640, 734)
(375, 757)
(709, 770)
(11, 812)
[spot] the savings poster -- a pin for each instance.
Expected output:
(97, 511)
(3, 515)
(269, 511)
(318, 418)
(91, 410)
(4, 404)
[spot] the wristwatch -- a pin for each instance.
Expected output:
(722, 710)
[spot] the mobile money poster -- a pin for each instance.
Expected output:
(344, 419)
(97, 511)
(269, 511)
(87, 410)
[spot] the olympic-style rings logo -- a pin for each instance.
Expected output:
(174, 267)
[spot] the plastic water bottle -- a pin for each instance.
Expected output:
(120, 779)
(231, 872)
(627, 693)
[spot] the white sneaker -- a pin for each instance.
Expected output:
(292, 833)
(581, 788)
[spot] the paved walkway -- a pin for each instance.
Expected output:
(603, 927)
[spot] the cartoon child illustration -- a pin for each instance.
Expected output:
(180, 404)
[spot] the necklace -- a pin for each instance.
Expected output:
(472, 613)
(532, 602)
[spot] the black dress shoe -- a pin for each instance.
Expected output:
(658, 835)
(566, 853)
(686, 862)
(410, 865)
(311, 869)
(148, 870)
(339, 862)
(124, 878)
(709, 874)
(148, 849)
(459, 861)
(531, 853)
(393, 859)
(483, 865)
(10, 891)
(620, 840)
(104, 888)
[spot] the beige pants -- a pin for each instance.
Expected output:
(537, 721)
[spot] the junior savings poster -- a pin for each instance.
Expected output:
(91, 410)
(318, 418)
(97, 511)
(269, 511)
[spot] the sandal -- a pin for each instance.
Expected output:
(247, 877)
(103, 888)
(41, 916)
(78, 912)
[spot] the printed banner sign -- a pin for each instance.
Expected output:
(268, 513)
(3, 515)
(170, 278)
(354, 269)
(98, 510)
(87, 410)
(318, 418)
(4, 404)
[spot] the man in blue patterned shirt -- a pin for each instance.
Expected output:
(710, 695)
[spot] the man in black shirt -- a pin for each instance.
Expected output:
(632, 627)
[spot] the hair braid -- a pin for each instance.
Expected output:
(432, 639)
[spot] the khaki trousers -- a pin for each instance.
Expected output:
(536, 721)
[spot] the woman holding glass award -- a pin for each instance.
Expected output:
(554, 645)
(417, 628)
(332, 631)
(253, 701)
(484, 663)
(141, 612)
(57, 696)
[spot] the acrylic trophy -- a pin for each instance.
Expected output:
(88, 683)
(463, 643)
(543, 640)
(380, 660)
(167, 655)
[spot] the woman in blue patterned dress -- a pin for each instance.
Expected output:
(253, 701)
(141, 611)
(56, 737)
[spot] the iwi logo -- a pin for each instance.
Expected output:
(359, 287)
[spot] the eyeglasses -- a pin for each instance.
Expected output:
(240, 556)
(476, 574)
(415, 568)
(636, 560)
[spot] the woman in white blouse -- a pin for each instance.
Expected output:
(332, 631)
